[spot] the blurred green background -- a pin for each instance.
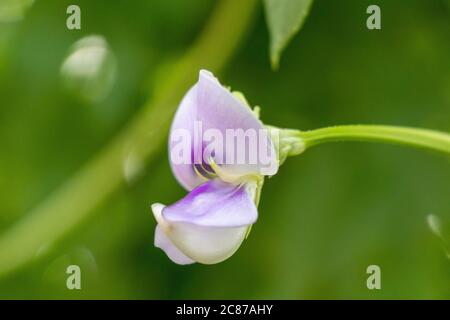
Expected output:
(324, 218)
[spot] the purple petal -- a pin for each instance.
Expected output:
(215, 204)
(184, 120)
(216, 108)
(164, 243)
(219, 109)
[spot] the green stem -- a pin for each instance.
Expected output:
(415, 137)
(74, 201)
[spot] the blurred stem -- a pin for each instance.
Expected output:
(145, 134)
(415, 137)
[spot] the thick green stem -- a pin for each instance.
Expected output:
(72, 203)
(415, 137)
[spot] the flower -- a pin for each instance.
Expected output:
(219, 151)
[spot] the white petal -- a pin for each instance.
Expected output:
(164, 243)
(207, 245)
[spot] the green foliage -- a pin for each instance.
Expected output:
(323, 219)
(284, 20)
(13, 10)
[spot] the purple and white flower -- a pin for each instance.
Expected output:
(210, 223)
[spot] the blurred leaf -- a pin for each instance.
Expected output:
(12, 10)
(69, 205)
(284, 20)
